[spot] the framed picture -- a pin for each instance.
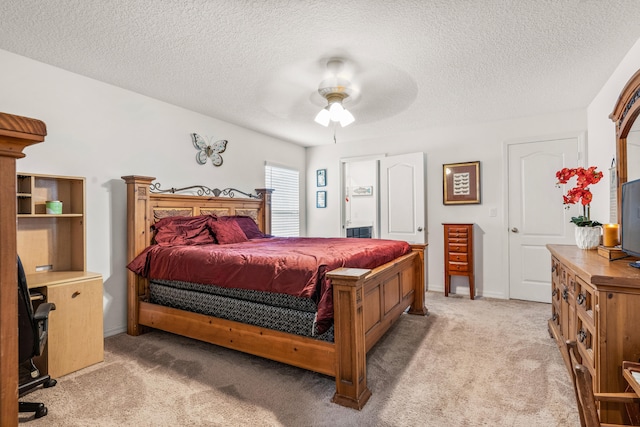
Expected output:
(461, 183)
(321, 199)
(321, 177)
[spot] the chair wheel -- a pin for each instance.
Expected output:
(49, 383)
(41, 412)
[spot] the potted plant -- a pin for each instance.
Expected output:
(587, 231)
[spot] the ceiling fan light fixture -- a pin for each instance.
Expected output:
(323, 117)
(347, 118)
(335, 109)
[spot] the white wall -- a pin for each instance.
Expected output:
(602, 131)
(103, 132)
(484, 142)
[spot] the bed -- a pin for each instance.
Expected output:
(365, 302)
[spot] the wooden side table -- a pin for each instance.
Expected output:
(458, 255)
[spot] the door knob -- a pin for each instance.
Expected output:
(514, 230)
(419, 228)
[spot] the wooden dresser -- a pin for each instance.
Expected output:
(458, 255)
(596, 302)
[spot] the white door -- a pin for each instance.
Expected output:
(536, 215)
(402, 198)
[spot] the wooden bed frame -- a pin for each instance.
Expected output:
(366, 302)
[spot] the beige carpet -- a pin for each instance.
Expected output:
(469, 363)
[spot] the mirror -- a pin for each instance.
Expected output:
(624, 115)
(633, 152)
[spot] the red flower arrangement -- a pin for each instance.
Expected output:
(580, 193)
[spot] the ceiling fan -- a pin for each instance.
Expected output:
(336, 88)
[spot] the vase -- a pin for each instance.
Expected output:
(588, 237)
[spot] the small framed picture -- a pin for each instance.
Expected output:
(362, 190)
(321, 199)
(461, 183)
(321, 177)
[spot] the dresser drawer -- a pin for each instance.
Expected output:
(464, 236)
(458, 257)
(585, 338)
(458, 230)
(585, 301)
(459, 240)
(458, 266)
(555, 316)
(458, 247)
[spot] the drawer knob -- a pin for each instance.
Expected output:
(75, 294)
(565, 294)
(582, 335)
(514, 230)
(555, 292)
(581, 298)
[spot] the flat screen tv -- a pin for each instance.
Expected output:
(630, 218)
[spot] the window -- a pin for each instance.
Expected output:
(285, 200)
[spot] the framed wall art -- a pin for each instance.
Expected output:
(321, 177)
(461, 183)
(362, 190)
(321, 199)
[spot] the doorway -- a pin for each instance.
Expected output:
(536, 216)
(386, 193)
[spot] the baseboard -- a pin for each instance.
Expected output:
(114, 331)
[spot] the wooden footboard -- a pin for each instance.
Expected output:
(366, 302)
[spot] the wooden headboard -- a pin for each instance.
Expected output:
(146, 203)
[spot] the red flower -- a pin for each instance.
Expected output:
(580, 193)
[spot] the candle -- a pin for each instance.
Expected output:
(610, 235)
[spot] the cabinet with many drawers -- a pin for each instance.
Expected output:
(596, 302)
(458, 255)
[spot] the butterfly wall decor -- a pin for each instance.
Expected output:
(209, 150)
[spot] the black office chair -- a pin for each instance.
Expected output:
(32, 338)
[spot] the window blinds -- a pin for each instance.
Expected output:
(285, 200)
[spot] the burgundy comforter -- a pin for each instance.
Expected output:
(290, 265)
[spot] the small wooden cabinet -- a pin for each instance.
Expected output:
(596, 302)
(75, 337)
(458, 255)
(53, 252)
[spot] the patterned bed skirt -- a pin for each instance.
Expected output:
(280, 312)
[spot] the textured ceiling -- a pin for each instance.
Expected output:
(416, 63)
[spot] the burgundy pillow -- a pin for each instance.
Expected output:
(227, 231)
(250, 228)
(183, 230)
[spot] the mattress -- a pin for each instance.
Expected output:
(280, 312)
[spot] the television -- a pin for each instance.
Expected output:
(630, 218)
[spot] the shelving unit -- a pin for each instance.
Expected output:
(48, 242)
(52, 248)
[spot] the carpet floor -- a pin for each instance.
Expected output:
(485, 362)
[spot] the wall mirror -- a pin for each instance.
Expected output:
(625, 116)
